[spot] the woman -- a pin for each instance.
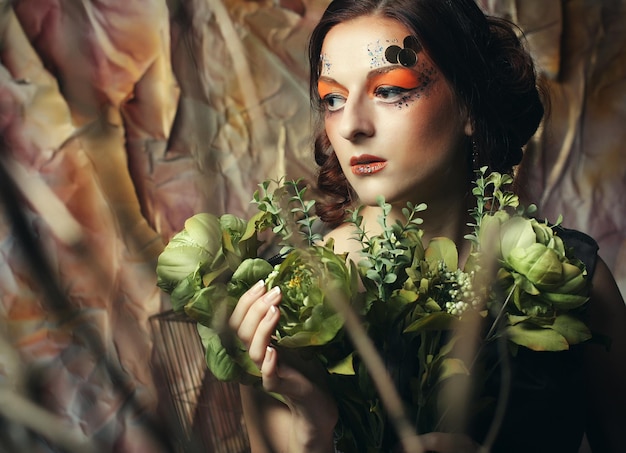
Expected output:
(415, 95)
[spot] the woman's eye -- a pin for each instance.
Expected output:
(391, 93)
(333, 102)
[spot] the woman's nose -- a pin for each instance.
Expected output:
(356, 120)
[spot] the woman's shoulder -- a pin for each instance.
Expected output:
(343, 238)
(604, 363)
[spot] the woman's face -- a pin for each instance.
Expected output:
(396, 127)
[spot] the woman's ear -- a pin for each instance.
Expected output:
(469, 127)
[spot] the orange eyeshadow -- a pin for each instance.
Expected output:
(403, 78)
(324, 88)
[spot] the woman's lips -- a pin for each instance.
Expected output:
(367, 165)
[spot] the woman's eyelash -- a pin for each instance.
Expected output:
(391, 91)
(332, 101)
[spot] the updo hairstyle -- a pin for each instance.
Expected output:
(482, 58)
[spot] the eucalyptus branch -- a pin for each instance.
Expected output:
(477, 213)
(288, 211)
(303, 208)
(390, 253)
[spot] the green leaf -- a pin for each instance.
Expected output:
(451, 367)
(177, 262)
(516, 319)
(536, 338)
(204, 230)
(197, 247)
(344, 367)
(539, 264)
(565, 301)
(442, 249)
(575, 280)
(432, 305)
(573, 329)
(432, 321)
(239, 238)
(516, 233)
(489, 232)
(185, 291)
(207, 302)
(224, 366)
(407, 295)
(214, 274)
(543, 232)
(247, 274)
(322, 329)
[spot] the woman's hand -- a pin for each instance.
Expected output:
(300, 382)
(254, 319)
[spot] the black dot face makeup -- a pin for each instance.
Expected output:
(406, 56)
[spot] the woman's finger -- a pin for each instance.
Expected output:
(245, 302)
(262, 335)
(301, 394)
(283, 379)
(297, 379)
(268, 370)
(249, 325)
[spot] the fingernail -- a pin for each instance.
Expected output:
(271, 312)
(272, 295)
(268, 353)
(256, 288)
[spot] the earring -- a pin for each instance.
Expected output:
(475, 155)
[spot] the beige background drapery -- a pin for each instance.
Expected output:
(121, 119)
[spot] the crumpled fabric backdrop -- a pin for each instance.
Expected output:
(121, 119)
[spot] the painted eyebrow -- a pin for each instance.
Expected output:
(395, 75)
(384, 70)
(325, 85)
(371, 75)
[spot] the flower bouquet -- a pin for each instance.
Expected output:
(521, 285)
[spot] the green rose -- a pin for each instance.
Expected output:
(535, 258)
(539, 264)
(209, 248)
(308, 279)
(239, 238)
(197, 245)
(543, 283)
